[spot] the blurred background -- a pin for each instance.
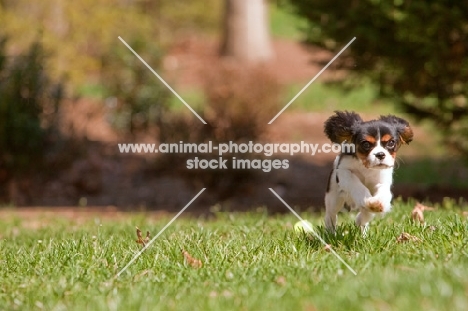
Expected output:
(70, 91)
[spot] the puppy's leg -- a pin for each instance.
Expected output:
(383, 195)
(363, 218)
(361, 196)
(333, 204)
(351, 184)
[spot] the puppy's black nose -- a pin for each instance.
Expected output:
(380, 155)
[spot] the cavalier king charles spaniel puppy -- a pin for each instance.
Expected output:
(362, 174)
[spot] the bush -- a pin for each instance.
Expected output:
(141, 99)
(240, 101)
(28, 104)
(28, 101)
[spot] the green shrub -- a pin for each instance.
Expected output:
(239, 103)
(28, 106)
(28, 99)
(140, 98)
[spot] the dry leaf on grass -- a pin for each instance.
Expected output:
(418, 212)
(195, 263)
(405, 237)
(141, 275)
(281, 280)
(140, 239)
(327, 248)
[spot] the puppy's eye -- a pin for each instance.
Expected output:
(366, 145)
(391, 144)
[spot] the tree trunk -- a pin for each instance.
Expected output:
(246, 35)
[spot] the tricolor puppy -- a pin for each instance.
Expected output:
(362, 174)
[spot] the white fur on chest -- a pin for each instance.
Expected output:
(372, 179)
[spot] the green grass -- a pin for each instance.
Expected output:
(92, 90)
(318, 97)
(324, 98)
(448, 172)
(195, 97)
(251, 262)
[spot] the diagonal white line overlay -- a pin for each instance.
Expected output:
(311, 81)
(313, 231)
(159, 233)
(162, 80)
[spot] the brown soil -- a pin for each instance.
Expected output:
(189, 60)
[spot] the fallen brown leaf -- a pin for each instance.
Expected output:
(140, 239)
(195, 263)
(418, 212)
(281, 280)
(141, 275)
(405, 237)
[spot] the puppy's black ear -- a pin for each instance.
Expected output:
(402, 126)
(339, 127)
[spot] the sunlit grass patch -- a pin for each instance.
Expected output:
(250, 261)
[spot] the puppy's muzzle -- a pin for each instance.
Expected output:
(380, 155)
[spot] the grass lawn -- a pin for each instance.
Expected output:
(250, 262)
(320, 97)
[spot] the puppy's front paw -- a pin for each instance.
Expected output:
(374, 204)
